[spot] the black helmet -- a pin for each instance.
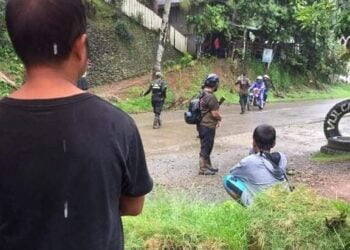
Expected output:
(211, 81)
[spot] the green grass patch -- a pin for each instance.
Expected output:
(175, 222)
(277, 220)
(302, 93)
(297, 220)
(137, 104)
(330, 158)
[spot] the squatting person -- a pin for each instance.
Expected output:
(258, 171)
(211, 120)
(158, 87)
(71, 164)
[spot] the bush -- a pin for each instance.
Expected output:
(122, 30)
(186, 60)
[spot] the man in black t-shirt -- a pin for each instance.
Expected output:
(71, 164)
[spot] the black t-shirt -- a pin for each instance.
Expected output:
(63, 165)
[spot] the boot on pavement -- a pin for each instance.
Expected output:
(203, 169)
(155, 123)
(210, 166)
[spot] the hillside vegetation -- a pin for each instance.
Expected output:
(184, 82)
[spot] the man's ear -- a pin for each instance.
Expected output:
(80, 50)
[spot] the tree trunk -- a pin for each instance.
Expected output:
(162, 37)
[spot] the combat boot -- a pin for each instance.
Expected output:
(203, 170)
(210, 166)
(155, 123)
(159, 121)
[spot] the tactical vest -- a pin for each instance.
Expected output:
(157, 88)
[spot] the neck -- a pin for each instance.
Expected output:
(264, 151)
(209, 90)
(47, 83)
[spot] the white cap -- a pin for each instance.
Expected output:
(266, 76)
(159, 74)
(259, 78)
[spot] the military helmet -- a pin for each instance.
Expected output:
(211, 81)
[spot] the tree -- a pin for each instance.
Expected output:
(213, 19)
(162, 36)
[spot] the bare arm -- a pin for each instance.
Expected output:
(148, 91)
(131, 206)
(216, 114)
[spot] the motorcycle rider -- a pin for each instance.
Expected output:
(259, 84)
(211, 119)
(158, 87)
(244, 84)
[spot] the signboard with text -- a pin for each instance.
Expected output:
(267, 55)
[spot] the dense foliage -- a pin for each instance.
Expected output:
(2, 23)
(310, 29)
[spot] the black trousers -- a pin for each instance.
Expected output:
(206, 136)
(157, 106)
(243, 99)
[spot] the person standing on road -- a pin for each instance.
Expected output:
(211, 119)
(158, 87)
(244, 85)
(268, 85)
(71, 164)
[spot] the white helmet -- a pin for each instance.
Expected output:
(259, 78)
(266, 76)
(159, 74)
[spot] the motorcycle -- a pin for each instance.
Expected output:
(254, 99)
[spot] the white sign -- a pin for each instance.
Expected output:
(267, 55)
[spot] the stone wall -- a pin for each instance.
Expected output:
(114, 59)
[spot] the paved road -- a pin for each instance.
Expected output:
(175, 135)
(172, 151)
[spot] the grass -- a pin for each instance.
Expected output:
(330, 158)
(174, 222)
(136, 103)
(297, 221)
(277, 220)
(303, 93)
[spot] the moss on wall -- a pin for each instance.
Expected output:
(115, 58)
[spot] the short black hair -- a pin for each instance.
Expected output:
(44, 31)
(265, 136)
